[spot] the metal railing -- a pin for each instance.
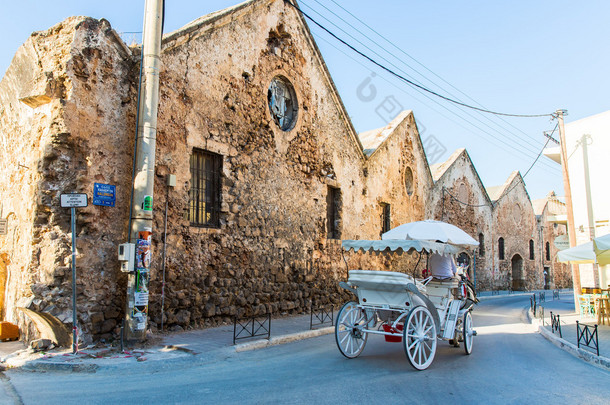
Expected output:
(588, 338)
(556, 324)
(321, 316)
(251, 327)
(542, 296)
(555, 295)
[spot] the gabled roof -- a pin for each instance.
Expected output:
(440, 169)
(496, 192)
(373, 139)
(220, 18)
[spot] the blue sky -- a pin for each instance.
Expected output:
(518, 57)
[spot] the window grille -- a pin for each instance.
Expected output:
(531, 249)
(204, 207)
(548, 251)
(481, 245)
(385, 218)
(333, 212)
(501, 248)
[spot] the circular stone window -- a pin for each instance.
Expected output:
(283, 103)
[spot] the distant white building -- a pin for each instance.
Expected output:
(595, 132)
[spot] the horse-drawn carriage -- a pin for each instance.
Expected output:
(404, 309)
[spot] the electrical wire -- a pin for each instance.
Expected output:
(406, 80)
(502, 141)
(485, 116)
(529, 153)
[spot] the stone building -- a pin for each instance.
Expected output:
(270, 176)
(270, 172)
(514, 235)
(552, 225)
(460, 198)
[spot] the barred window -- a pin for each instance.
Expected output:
(481, 245)
(548, 251)
(501, 248)
(531, 249)
(333, 213)
(385, 218)
(204, 195)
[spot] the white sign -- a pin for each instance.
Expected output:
(73, 200)
(141, 299)
(562, 242)
(3, 226)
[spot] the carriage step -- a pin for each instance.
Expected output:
(451, 320)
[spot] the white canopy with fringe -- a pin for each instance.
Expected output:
(406, 245)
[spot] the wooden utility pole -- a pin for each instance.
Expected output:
(568, 194)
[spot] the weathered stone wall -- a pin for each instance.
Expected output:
(515, 222)
(459, 198)
(68, 101)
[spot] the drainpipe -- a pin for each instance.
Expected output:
(141, 216)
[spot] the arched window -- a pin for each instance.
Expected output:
(481, 245)
(501, 248)
(548, 251)
(531, 249)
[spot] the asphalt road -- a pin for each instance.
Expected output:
(510, 364)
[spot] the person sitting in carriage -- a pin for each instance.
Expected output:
(442, 267)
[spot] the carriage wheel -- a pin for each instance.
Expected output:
(348, 330)
(468, 333)
(420, 338)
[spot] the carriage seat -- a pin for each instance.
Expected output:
(440, 292)
(382, 288)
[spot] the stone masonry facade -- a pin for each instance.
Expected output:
(287, 196)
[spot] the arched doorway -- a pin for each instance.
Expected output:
(518, 282)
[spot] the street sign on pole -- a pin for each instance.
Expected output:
(73, 200)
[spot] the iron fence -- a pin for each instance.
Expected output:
(555, 324)
(542, 296)
(533, 304)
(321, 316)
(555, 295)
(251, 327)
(589, 339)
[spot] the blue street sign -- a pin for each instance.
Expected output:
(104, 194)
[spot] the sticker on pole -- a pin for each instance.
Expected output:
(73, 200)
(148, 203)
(3, 226)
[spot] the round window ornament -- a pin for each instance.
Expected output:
(283, 104)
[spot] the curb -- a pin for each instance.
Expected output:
(184, 358)
(293, 337)
(598, 361)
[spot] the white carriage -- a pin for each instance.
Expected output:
(415, 312)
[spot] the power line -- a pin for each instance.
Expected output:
(499, 140)
(412, 83)
(513, 187)
(528, 152)
(526, 139)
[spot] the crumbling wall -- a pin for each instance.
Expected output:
(459, 198)
(68, 104)
(515, 222)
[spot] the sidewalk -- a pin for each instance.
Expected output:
(181, 349)
(564, 307)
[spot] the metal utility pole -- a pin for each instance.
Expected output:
(568, 194)
(141, 218)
